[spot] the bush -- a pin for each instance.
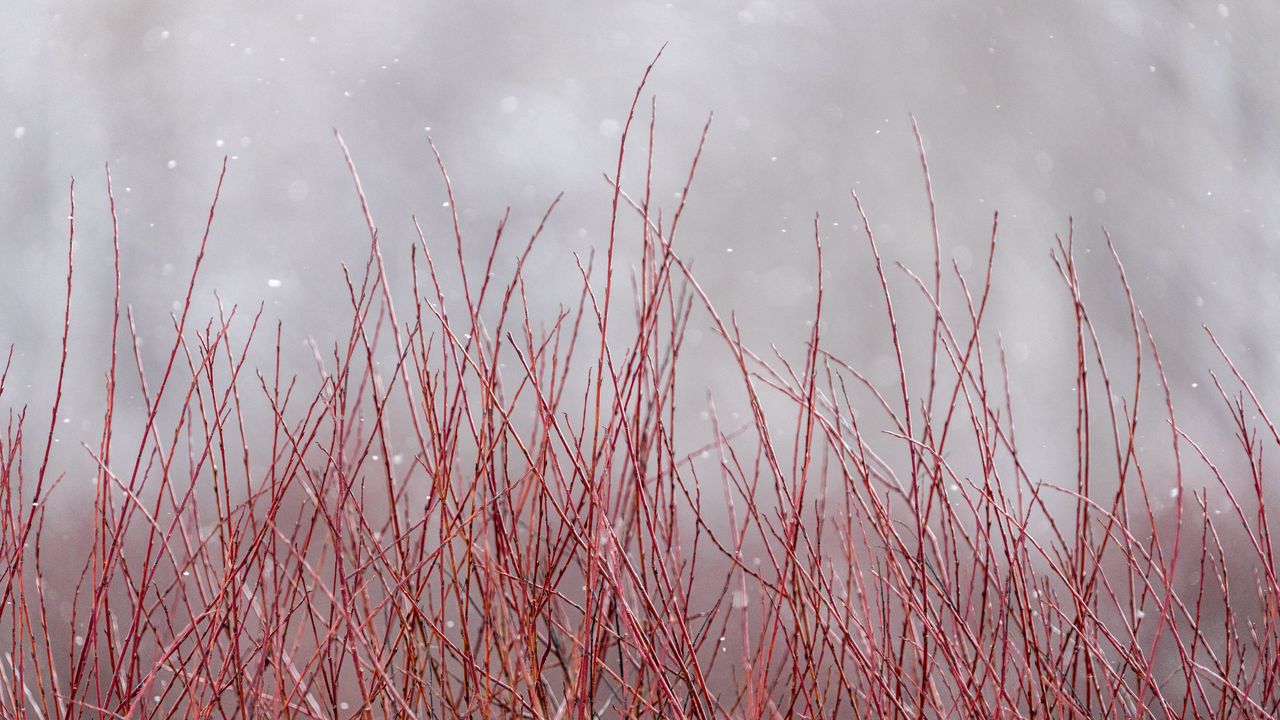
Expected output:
(477, 510)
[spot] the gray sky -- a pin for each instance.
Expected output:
(1153, 118)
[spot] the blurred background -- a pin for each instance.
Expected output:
(1154, 118)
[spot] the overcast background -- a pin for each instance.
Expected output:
(1157, 119)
